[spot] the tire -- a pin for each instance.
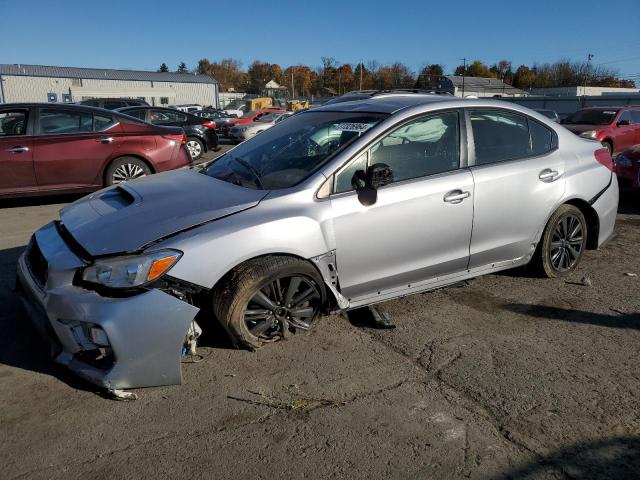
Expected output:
(125, 168)
(563, 243)
(195, 147)
(609, 146)
(252, 324)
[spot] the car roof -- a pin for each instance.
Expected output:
(73, 106)
(386, 103)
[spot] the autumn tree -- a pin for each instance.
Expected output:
(227, 72)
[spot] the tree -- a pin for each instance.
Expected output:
(524, 78)
(182, 68)
(345, 78)
(429, 76)
(163, 68)
(259, 74)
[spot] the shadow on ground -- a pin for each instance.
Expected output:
(628, 320)
(615, 458)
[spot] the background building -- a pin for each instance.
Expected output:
(37, 83)
(576, 91)
(476, 86)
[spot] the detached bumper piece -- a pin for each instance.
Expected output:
(115, 343)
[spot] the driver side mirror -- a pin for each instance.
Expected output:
(367, 183)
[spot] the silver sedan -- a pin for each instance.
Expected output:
(338, 207)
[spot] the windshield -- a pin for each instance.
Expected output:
(287, 153)
(591, 117)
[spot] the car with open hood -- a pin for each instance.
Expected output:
(336, 208)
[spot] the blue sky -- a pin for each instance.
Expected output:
(143, 34)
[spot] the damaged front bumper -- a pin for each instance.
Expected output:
(115, 343)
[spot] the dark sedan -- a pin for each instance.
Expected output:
(201, 132)
(62, 148)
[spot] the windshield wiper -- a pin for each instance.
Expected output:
(252, 170)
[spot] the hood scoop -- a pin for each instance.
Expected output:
(128, 217)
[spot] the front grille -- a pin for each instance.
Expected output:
(37, 264)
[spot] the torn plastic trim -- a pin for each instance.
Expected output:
(326, 263)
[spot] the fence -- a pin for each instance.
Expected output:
(565, 106)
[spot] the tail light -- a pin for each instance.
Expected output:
(209, 124)
(176, 137)
(604, 157)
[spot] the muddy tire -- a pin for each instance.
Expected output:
(125, 168)
(562, 244)
(265, 299)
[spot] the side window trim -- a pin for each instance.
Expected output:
(471, 154)
(463, 148)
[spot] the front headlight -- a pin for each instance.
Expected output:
(131, 270)
(589, 134)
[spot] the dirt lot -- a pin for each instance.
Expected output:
(507, 377)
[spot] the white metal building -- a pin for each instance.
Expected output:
(476, 87)
(577, 91)
(38, 83)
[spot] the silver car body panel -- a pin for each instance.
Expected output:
(409, 241)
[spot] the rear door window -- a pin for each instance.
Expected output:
(635, 117)
(166, 116)
(13, 122)
(57, 121)
(500, 136)
(141, 114)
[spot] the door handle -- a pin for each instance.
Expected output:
(456, 196)
(18, 149)
(548, 175)
(105, 139)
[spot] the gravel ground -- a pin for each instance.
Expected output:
(506, 377)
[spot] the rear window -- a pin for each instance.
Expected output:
(103, 122)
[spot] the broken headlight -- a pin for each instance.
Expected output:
(131, 270)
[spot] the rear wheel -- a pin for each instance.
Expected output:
(265, 299)
(563, 242)
(126, 168)
(195, 148)
(608, 145)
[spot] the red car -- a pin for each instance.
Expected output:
(617, 128)
(249, 117)
(53, 148)
(627, 168)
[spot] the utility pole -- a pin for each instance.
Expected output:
(586, 74)
(293, 90)
(361, 68)
(464, 72)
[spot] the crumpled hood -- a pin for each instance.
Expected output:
(126, 217)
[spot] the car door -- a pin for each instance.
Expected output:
(16, 152)
(624, 131)
(519, 178)
(635, 122)
(72, 147)
(420, 225)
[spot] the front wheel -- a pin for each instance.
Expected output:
(563, 242)
(265, 299)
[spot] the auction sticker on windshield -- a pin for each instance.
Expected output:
(353, 127)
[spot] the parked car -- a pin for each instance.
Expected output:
(113, 103)
(249, 130)
(47, 148)
(335, 208)
(551, 114)
(187, 107)
(201, 133)
(627, 168)
(617, 128)
(249, 117)
(218, 116)
(236, 108)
